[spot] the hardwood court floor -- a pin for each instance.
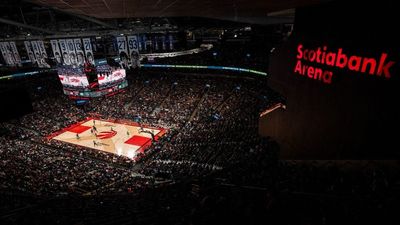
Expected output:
(125, 139)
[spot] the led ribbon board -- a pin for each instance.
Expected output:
(101, 62)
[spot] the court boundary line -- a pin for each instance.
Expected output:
(140, 150)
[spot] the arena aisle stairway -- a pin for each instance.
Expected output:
(195, 111)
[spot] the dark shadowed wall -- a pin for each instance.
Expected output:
(354, 114)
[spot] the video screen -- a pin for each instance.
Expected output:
(107, 75)
(72, 77)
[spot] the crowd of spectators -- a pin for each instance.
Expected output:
(196, 143)
(210, 167)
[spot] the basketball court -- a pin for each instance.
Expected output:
(118, 137)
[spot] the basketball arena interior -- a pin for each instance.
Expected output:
(199, 112)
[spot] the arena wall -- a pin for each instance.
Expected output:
(350, 111)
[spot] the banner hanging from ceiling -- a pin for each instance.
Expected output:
(56, 51)
(28, 48)
(123, 51)
(80, 56)
(133, 51)
(88, 50)
(71, 52)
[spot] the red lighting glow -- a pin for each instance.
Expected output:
(378, 67)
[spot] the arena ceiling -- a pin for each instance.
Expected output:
(236, 10)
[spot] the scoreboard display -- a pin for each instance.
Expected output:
(95, 93)
(77, 84)
(107, 75)
(72, 77)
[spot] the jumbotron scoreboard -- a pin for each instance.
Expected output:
(79, 83)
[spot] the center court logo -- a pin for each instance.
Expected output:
(106, 134)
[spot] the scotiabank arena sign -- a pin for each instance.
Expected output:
(317, 63)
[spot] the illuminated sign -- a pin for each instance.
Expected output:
(117, 87)
(379, 67)
(106, 77)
